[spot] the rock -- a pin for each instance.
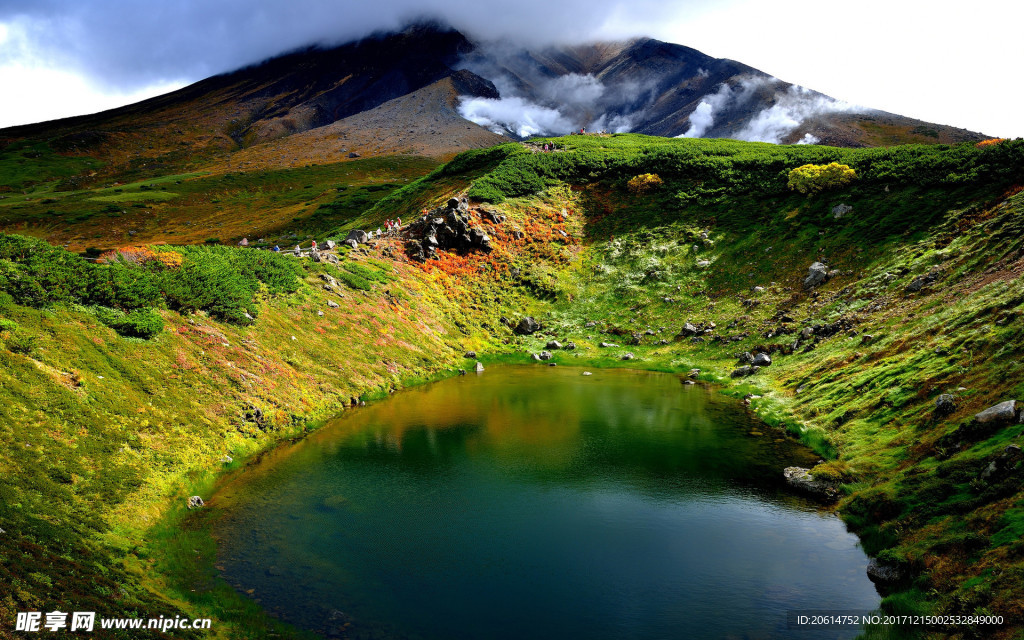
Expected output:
(479, 366)
(628, 356)
(742, 372)
(689, 382)
(693, 373)
(883, 573)
(841, 210)
(807, 333)
(817, 274)
(703, 264)
(527, 326)
(332, 304)
(195, 502)
(330, 244)
(544, 355)
(590, 324)
(471, 355)
(607, 345)
(587, 373)
(353, 154)
(358, 235)
(553, 344)
(351, 243)
(746, 358)
(758, 289)
(569, 346)
(801, 479)
(762, 360)
(687, 331)
(945, 404)
(226, 459)
(1004, 412)
(319, 313)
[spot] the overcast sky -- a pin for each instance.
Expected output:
(953, 63)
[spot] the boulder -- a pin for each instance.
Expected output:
(195, 502)
(587, 373)
(1004, 412)
(527, 326)
(743, 372)
(801, 479)
(471, 355)
(330, 244)
(479, 366)
(703, 264)
(945, 404)
(569, 346)
(883, 573)
(746, 358)
(841, 210)
(332, 304)
(358, 235)
(351, 243)
(607, 345)
(817, 274)
(553, 344)
(687, 331)
(628, 356)
(762, 360)
(544, 355)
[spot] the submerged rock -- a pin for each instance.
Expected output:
(479, 366)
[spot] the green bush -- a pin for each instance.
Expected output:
(140, 323)
(815, 178)
(8, 325)
(21, 342)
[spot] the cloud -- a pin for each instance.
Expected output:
(703, 117)
(791, 109)
(127, 44)
(514, 115)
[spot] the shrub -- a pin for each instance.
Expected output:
(644, 182)
(21, 342)
(140, 323)
(8, 325)
(815, 178)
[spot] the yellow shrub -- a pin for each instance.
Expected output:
(644, 183)
(814, 178)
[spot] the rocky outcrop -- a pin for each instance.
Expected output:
(195, 502)
(945, 404)
(884, 574)
(448, 228)
(801, 479)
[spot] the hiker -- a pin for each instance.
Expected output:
(277, 249)
(298, 250)
(313, 248)
(399, 223)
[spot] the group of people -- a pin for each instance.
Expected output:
(392, 225)
(547, 146)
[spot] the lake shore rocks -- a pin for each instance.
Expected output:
(801, 479)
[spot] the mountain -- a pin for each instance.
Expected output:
(431, 90)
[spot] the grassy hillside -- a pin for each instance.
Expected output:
(107, 433)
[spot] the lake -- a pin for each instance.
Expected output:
(536, 502)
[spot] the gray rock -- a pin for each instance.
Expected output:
(195, 502)
(807, 333)
(527, 326)
(817, 274)
(332, 304)
(746, 358)
(703, 264)
(688, 330)
(628, 356)
(883, 573)
(330, 244)
(841, 210)
(358, 235)
(569, 346)
(544, 355)
(479, 367)
(945, 404)
(553, 344)
(471, 355)
(758, 289)
(801, 479)
(607, 345)
(689, 382)
(351, 243)
(587, 373)
(762, 360)
(1004, 412)
(742, 372)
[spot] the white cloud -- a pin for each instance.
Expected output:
(515, 115)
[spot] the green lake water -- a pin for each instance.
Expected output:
(535, 502)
